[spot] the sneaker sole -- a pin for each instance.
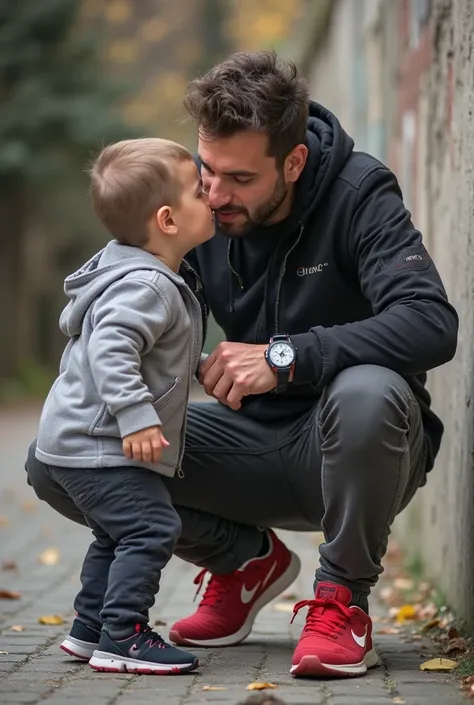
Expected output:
(273, 591)
(311, 666)
(79, 649)
(111, 663)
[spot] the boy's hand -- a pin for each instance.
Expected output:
(146, 445)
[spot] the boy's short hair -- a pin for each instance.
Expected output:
(130, 181)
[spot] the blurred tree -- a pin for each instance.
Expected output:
(56, 109)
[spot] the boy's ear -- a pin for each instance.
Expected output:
(165, 221)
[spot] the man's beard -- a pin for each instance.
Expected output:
(261, 216)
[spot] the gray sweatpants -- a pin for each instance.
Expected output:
(347, 467)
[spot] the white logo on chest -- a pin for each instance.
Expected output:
(315, 269)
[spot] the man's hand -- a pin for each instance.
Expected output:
(145, 445)
(235, 370)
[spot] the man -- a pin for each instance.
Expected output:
(333, 312)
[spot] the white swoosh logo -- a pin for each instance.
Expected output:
(247, 595)
(269, 574)
(360, 640)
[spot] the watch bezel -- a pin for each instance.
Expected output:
(287, 365)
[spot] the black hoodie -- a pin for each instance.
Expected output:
(346, 275)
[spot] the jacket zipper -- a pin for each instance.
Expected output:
(199, 287)
(280, 278)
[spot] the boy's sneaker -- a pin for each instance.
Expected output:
(336, 639)
(231, 602)
(142, 652)
(81, 641)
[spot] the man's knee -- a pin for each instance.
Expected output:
(361, 400)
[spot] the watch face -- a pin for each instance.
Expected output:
(281, 354)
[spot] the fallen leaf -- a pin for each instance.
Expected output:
(459, 644)
(49, 557)
(403, 584)
(30, 505)
(453, 633)
(429, 611)
(405, 613)
(439, 664)
(387, 594)
(388, 630)
(51, 620)
(213, 687)
(4, 521)
(4, 653)
(431, 624)
(9, 595)
(9, 565)
(283, 607)
(261, 686)
(160, 623)
(17, 628)
(398, 700)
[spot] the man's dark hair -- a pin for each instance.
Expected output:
(252, 91)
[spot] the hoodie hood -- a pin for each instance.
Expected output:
(329, 147)
(112, 263)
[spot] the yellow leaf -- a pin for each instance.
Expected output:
(261, 686)
(52, 620)
(406, 612)
(398, 700)
(17, 628)
(439, 664)
(213, 687)
(49, 557)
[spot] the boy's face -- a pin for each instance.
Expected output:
(193, 215)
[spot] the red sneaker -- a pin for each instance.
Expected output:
(231, 602)
(336, 639)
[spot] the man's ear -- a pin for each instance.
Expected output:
(295, 162)
(165, 221)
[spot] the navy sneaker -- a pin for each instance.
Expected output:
(142, 652)
(81, 641)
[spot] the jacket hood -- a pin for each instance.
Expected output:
(109, 265)
(329, 147)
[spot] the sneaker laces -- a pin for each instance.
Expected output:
(325, 617)
(217, 588)
(151, 638)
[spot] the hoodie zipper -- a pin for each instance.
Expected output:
(280, 279)
(236, 275)
(199, 287)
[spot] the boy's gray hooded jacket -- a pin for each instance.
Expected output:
(135, 332)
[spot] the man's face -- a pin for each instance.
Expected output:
(245, 187)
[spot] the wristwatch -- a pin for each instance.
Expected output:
(281, 356)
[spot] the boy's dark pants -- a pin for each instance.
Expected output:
(135, 530)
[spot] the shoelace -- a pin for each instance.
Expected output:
(325, 617)
(150, 637)
(217, 588)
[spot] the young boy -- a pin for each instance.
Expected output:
(114, 420)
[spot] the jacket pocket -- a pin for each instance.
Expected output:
(168, 396)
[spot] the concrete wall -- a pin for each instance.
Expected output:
(408, 98)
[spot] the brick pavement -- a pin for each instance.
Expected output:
(34, 670)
